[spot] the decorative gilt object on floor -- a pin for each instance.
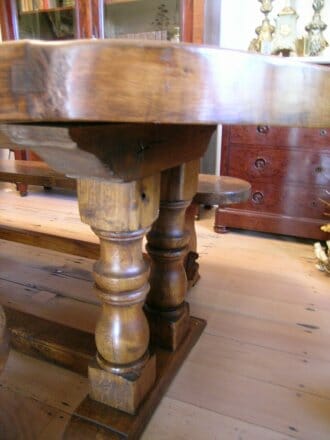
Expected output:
(323, 253)
(316, 42)
(323, 256)
(262, 43)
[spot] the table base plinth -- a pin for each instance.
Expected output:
(119, 391)
(166, 332)
(75, 349)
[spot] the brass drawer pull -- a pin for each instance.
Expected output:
(263, 129)
(260, 163)
(257, 197)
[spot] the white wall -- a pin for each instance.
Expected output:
(239, 18)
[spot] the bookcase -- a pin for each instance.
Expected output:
(67, 19)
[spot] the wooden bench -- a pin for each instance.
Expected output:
(33, 173)
(212, 190)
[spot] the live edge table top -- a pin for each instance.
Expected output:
(157, 82)
(45, 87)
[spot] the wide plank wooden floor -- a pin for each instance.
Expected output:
(261, 370)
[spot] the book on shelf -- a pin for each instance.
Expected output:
(152, 35)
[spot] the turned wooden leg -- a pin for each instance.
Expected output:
(218, 226)
(120, 214)
(190, 262)
(167, 246)
(22, 188)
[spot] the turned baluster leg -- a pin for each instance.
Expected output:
(120, 214)
(190, 263)
(167, 246)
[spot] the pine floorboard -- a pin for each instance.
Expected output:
(261, 370)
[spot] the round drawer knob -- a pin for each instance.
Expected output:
(318, 170)
(257, 197)
(323, 132)
(263, 129)
(260, 163)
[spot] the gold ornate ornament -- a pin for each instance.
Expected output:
(285, 37)
(316, 42)
(262, 43)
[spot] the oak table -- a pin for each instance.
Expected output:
(130, 120)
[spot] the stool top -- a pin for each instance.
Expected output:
(221, 190)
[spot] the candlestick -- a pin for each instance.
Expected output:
(316, 42)
(264, 32)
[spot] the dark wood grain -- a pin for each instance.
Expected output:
(279, 136)
(269, 222)
(275, 164)
(192, 21)
(123, 152)
(8, 20)
(187, 20)
(158, 82)
(289, 169)
(89, 19)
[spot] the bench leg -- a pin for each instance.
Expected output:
(120, 214)
(22, 188)
(167, 247)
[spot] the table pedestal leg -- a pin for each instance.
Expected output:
(167, 246)
(120, 214)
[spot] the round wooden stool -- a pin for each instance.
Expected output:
(212, 190)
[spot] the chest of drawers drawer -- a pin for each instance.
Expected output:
(293, 201)
(279, 165)
(280, 136)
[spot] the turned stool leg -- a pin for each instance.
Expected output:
(190, 263)
(167, 246)
(120, 214)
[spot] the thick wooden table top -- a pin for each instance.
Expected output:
(157, 82)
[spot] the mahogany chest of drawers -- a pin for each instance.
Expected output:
(289, 169)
